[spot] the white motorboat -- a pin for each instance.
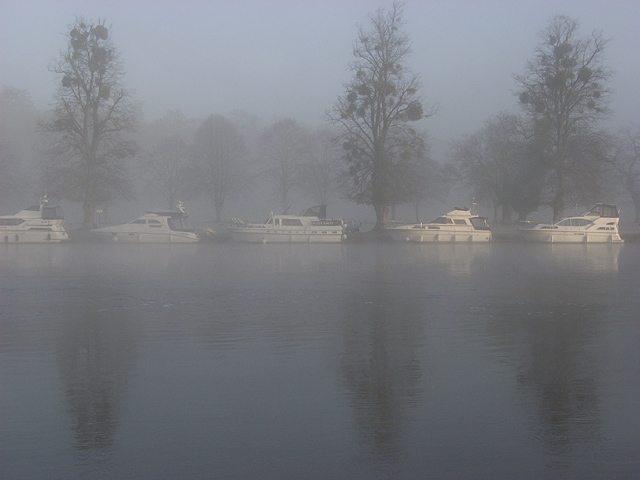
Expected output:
(459, 225)
(159, 226)
(310, 227)
(36, 224)
(598, 225)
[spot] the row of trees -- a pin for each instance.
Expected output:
(555, 153)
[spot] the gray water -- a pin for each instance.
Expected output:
(356, 361)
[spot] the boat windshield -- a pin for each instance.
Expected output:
(52, 213)
(180, 224)
(479, 223)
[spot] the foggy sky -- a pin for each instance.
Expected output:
(289, 58)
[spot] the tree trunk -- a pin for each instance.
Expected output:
(558, 199)
(88, 211)
(381, 216)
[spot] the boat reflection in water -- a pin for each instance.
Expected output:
(596, 258)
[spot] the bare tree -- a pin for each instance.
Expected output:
(165, 162)
(166, 169)
(217, 152)
(422, 179)
(626, 162)
(285, 146)
(18, 145)
(564, 90)
(92, 116)
(375, 112)
(318, 173)
(490, 161)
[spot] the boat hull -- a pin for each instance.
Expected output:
(33, 236)
(542, 236)
(248, 235)
(439, 236)
(133, 237)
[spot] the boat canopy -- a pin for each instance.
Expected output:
(319, 211)
(604, 210)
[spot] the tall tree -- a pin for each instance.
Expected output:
(91, 120)
(285, 146)
(564, 90)
(375, 112)
(217, 151)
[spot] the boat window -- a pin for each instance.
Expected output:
(52, 213)
(180, 224)
(580, 222)
(11, 221)
(442, 220)
(291, 222)
(479, 223)
(564, 223)
(459, 221)
(154, 222)
(139, 221)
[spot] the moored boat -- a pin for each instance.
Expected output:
(598, 225)
(157, 226)
(459, 225)
(36, 224)
(312, 226)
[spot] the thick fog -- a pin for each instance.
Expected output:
(289, 59)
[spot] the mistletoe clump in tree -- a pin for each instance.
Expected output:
(90, 122)
(375, 114)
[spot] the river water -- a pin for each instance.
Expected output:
(354, 361)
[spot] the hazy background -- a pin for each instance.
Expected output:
(287, 58)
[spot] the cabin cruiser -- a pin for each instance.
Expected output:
(159, 226)
(459, 225)
(38, 223)
(312, 226)
(598, 225)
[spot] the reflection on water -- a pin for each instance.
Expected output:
(319, 361)
(380, 365)
(96, 356)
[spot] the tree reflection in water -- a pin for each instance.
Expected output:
(380, 364)
(96, 355)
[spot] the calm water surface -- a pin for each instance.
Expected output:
(358, 361)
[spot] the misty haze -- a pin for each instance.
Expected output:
(265, 239)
